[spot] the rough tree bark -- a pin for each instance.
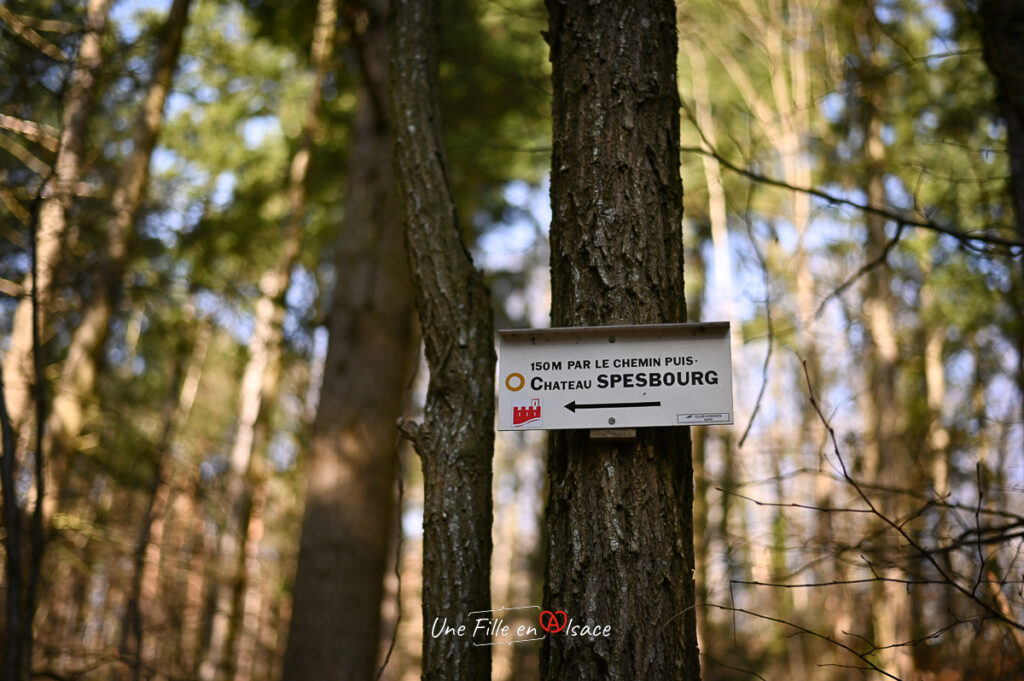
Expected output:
(350, 502)
(619, 515)
(456, 439)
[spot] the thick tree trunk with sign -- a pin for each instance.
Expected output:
(619, 515)
(456, 438)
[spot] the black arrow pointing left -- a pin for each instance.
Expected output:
(572, 406)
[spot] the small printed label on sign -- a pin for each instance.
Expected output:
(690, 419)
(615, 377)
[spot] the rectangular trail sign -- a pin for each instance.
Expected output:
(615, 377)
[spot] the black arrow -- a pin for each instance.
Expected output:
(572, 406)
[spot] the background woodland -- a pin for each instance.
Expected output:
(207, 332)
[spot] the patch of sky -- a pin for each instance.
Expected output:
(940, 17)
(888, 135)
(164, 226)
(832, 106)
(138, 66)
(163, 161)
(232, 29)
(256, 129)
(177, 104)
(206, 94)
(53, 78)
(236, 85)
(941, 49)
(412, 522)
(125, 15)
(896, 193)
(926, 122)
(885, 13)
(300, 300)
(283, 451)
(316, 370)
(211, 305)
(506, 245)
(224, 189)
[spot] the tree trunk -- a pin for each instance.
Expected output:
(1002, 38)
(142, 590)
(619, 515)
(77, 104)
(456, 438)
(16, 631)
(350, 504)
(77, 381)
(259, 384)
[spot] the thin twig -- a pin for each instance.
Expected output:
(804, 630)
(771, 335)
(862, 270)
(1012, 247)
(921, 550)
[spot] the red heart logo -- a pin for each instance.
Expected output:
(549, 621)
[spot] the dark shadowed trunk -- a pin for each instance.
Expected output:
(619, 515)
(1002, 36)
(456, 438)
(350, 502)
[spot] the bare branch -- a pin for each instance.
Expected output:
(862, 270)
(50, 25)
(926, 554)
(31, 161)
(771, 333)
(863, 657)
(969, 239)
(17, 210)
(20, 28)
(40, 133)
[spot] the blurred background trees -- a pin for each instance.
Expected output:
(192, 224)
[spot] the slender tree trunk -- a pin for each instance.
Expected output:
(77, 381)
(456, 438)
(142, 589)
(77, 105)
(350, 505)
(16, 630)
(890, 602)
(259, 381)
(619, 516)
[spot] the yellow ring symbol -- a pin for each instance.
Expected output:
(508, 382)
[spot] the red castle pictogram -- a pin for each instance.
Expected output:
(521, 415)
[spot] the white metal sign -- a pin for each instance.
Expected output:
(615, 377)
